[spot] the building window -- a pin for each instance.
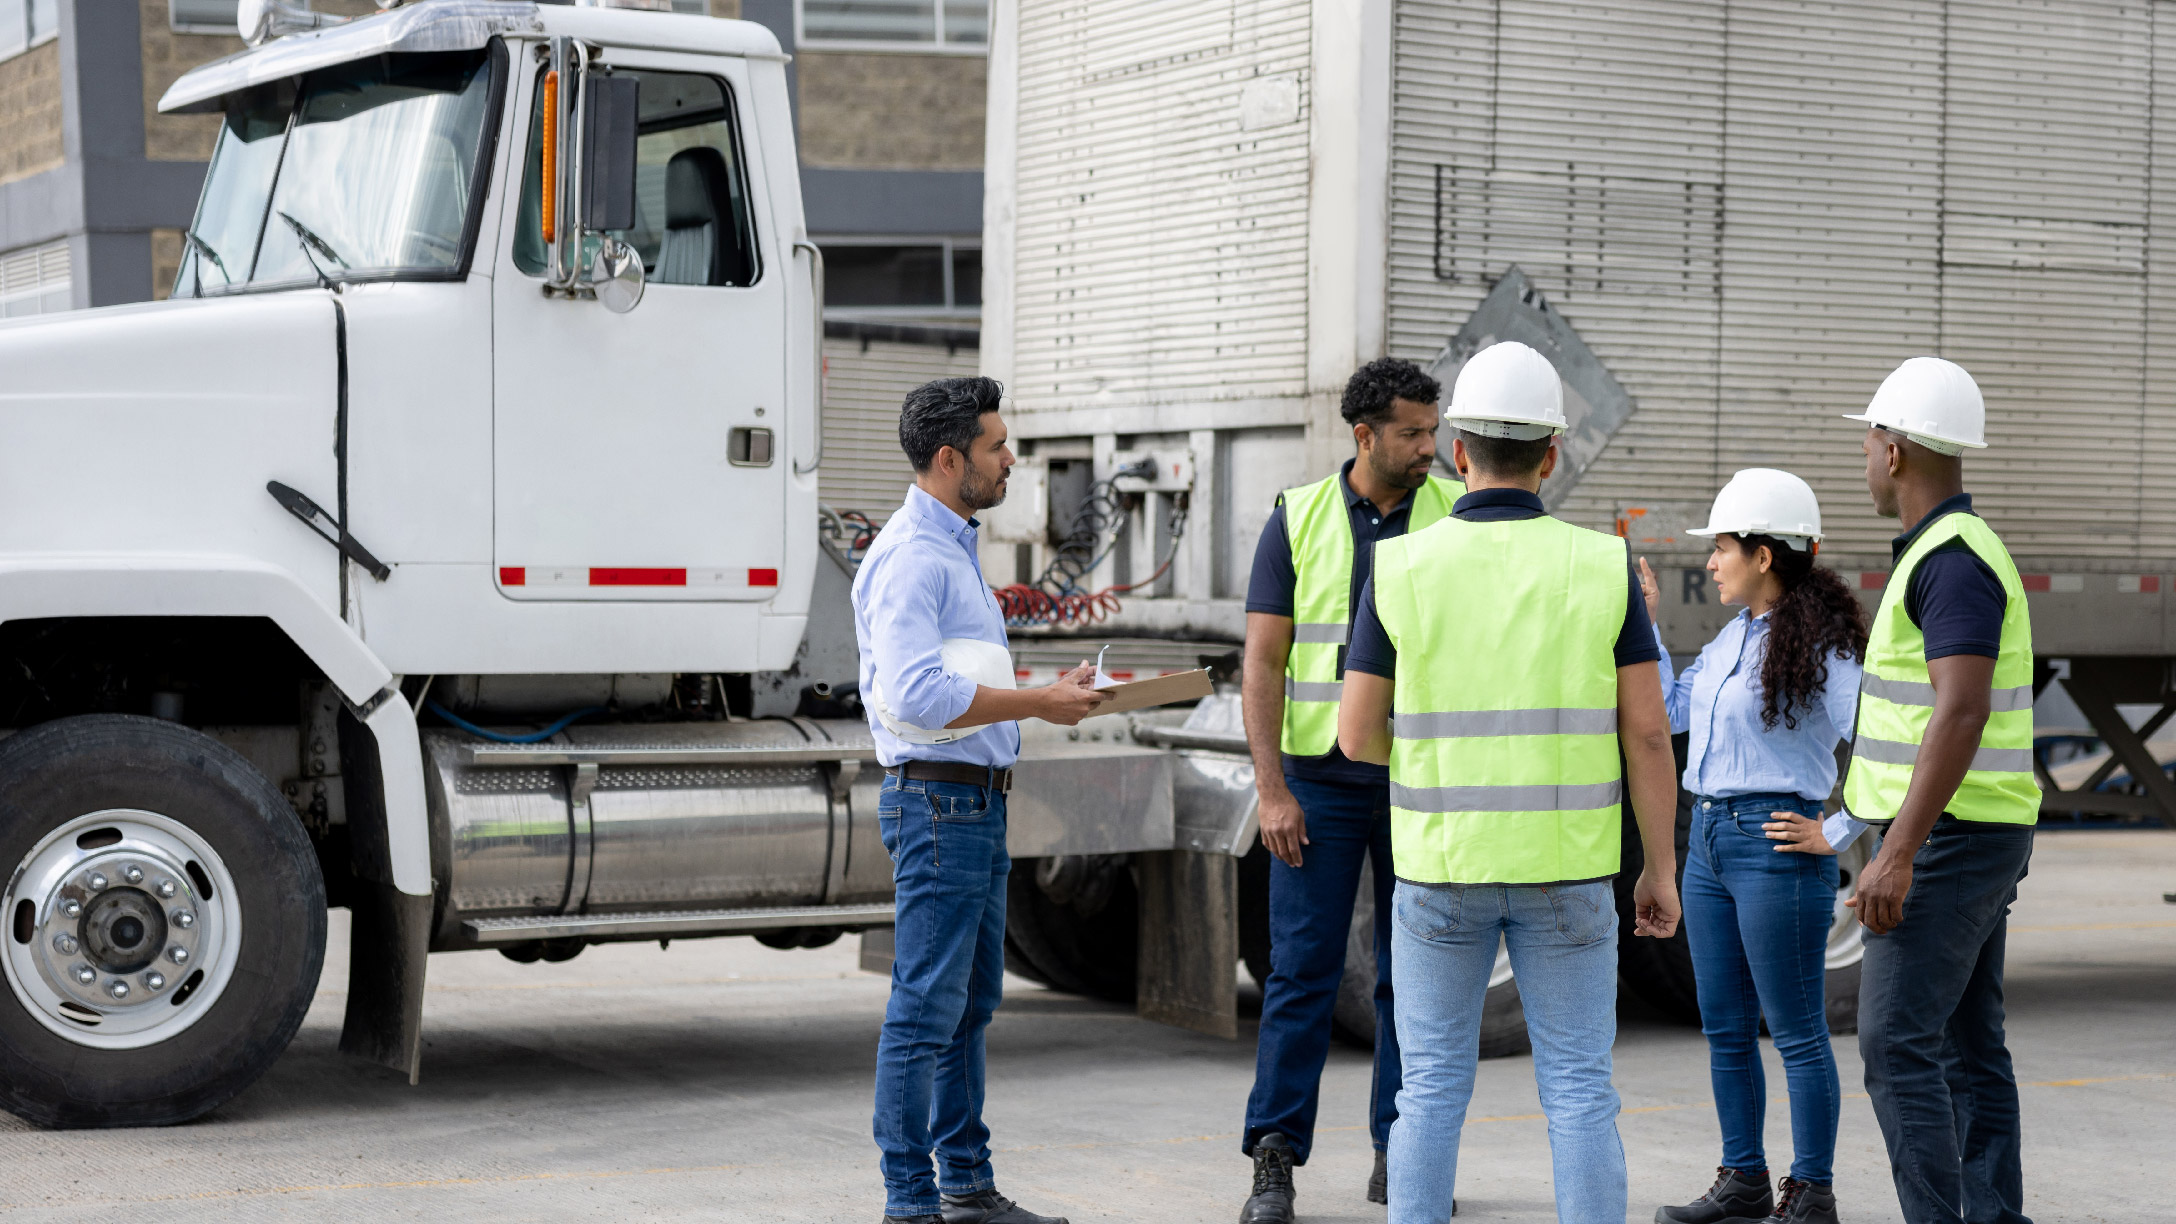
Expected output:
(889, 276)
(894, 25)
(26, 23)
(201, 16)
(34, 280)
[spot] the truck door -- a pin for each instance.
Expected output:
(635, 455)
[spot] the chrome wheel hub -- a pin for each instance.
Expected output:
(122, 929)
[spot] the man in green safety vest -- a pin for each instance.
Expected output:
(1518, 653)
(1323, 817)
(1942, 759)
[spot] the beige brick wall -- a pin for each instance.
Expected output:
(167, 55)
(165, 262)
(30, 100)
(889, 111)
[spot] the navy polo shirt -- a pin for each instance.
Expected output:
(1371, 650)
(1270, 587)
(1954, 597)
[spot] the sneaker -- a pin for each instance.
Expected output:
(1271, 1200)
(990, 1207)
(1800, 1203)
(1735, 1196)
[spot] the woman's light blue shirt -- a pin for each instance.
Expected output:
(1730, 752)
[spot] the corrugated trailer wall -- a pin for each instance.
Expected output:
(1751, 211)
(865, 379)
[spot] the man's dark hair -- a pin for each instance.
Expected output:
(1374, 385)
(1505, 456)
(946, 412)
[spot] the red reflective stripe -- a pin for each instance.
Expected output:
(762, 577)
(2149, 583)
(1873, 580)
(638, 577)
(2033, 582)
(513, 575)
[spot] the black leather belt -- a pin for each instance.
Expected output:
(999, 780)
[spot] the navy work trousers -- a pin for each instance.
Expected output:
(1310, 925)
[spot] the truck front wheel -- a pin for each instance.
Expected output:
(165, 923)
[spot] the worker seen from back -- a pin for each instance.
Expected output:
(1764, 706)
(937, 678)
(1520, 657)
(1942, 762)
(1324, 817)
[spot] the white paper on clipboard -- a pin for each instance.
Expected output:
(1141, 694)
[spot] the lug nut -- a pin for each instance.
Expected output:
(97, 882)
(166, 888)
(119, 989)
(184, 919)
(85, 974)
(133, 874)
(178, 954)
(65, 944)
(154, 981)
(71, 908)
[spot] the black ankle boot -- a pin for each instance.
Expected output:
(1379, 1181)
(920, 1219)
(1799, 1203)
(1734, 1196)
(990, 1207)
(1271, 1201)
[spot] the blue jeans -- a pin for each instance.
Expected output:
(947, 842)
(1563, 945)
(1930, 1029)
(1310, 924)
(1758, 922)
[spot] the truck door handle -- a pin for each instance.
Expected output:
(314, 517)
(816, 341)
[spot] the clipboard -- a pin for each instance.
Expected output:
(1141, 694)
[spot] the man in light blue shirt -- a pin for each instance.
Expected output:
(937, 680)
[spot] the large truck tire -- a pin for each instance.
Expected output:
(1659, 971)
(1073, 923)
(165, 923)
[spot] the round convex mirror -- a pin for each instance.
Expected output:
(615, 274)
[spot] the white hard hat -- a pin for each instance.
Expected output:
(986, 663)
(1765, 501)
(1934, 403)
(1508, 390)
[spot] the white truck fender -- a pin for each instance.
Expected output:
(121, 584)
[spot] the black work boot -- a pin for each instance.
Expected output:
(1379, 1181)
(990, 1207)
(1734, 1196)
(1271, 1201)
(920, 1219)
(1800, 1203)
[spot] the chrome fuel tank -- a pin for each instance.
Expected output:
(654, 818)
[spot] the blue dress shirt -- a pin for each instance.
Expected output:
(920, 584)
(1731, 752)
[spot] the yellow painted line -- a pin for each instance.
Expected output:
(2099, 926)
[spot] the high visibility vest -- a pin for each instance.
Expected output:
(1319, 527)
(1503, 759)
(1896, 697)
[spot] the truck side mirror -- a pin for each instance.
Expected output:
(608, 154)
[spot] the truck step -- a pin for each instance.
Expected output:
(494, 931)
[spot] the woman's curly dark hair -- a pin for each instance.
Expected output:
(1816, 618)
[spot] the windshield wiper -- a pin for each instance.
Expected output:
(205, 249)
(310, 241)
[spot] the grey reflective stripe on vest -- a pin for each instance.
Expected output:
(1471, 724)
(1919, 693)
(1985, 760)
(1504, 798)
(1313, 690)
(1318, 633)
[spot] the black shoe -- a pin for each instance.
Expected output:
(1271, 1201)
(1379, 1181)
(1734, 1196)
(920, 1219)
(990, 1207)
(1800, 1203)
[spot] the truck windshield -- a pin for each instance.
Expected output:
(366, 172)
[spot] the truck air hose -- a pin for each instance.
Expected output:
(498, 737)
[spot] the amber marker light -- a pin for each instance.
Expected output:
(551, 156)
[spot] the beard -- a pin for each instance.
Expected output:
(1406, 478)
(980, 493)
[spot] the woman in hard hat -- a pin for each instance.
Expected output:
(1765, 703)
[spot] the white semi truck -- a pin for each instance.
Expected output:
(447, 549)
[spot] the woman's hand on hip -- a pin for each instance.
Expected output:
(1796, 834)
